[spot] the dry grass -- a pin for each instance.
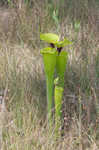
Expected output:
(21, 68)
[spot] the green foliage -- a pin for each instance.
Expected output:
(54, 39)
(54, 60)
(61, 62)
(49, 38)
(63, 43)
(48, 50)
(56, 81)
(77, 26)
(55, 16)
(9, 1)
(49, 58)
(58, 94)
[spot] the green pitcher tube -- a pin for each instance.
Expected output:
(58, 100)
(58, 110)
(61, 62)
(49, 58)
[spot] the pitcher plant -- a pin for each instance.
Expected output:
(55, 58)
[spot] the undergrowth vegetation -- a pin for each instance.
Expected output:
(22, 72)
